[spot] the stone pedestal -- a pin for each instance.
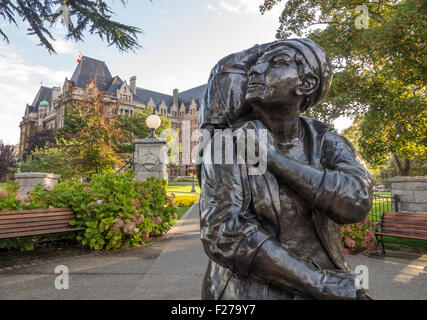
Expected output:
(412, 193)
(151, 158)
(28, 180)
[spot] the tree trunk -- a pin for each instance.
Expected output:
(404, 169)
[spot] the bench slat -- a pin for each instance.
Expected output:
(400, 235)
(406, 232)
(70, 216)
(407, 214)
(39, 232)
(387, 225)
(34, 228)
(35, 215)
(34, 223)
(398, 218)
(406, 221)
(35, 211)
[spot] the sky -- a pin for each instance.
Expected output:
(182, 40)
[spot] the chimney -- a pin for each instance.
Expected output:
(133, 84)
(56, 93)
(175, 97)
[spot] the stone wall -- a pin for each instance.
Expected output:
(28, 180)
(412, 193)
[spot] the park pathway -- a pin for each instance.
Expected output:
(172, 267)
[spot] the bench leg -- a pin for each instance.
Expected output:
(379, 240)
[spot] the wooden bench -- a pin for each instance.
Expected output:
(402, 224)
(14, 224)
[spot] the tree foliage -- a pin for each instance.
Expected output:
(51, 160)
(92, 149)
(380, 71)
(136, 124)
(8, 161)
(39, 140)
(81, 15)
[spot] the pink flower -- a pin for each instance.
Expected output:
(146, 235)
(376, 224)
(366, 221)
(359, 226)
(346, 251)
(133, 180)
(364, 244)
(158, 220)
(3, 194)
(368, 234)
(348, 229)
(98, 202)
(350, 243)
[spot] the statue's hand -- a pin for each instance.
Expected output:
(339, 286)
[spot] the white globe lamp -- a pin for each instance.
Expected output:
(153, 122)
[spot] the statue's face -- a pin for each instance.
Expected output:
(274, 77)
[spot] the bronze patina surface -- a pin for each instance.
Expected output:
(276, 235)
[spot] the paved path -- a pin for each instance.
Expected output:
(173, 268)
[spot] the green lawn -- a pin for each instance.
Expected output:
(177, 188)
(181, 210)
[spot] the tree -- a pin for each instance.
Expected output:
(93, 149)
(94, 15)
(39, 140)
(8, 161)
(136, 124)
(51, 160)
(380, 73)
(74, 122)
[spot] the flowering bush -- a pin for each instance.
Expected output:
(358, 237)
(116, 210)
(185, 201)
(11, 201)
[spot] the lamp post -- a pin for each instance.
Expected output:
(153, 122)
(193, 188)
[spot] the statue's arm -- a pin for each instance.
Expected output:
(234, 238)
(343, 191)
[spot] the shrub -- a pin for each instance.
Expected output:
(10, 201)
(185, 201)
(116, 210)
(358, 237)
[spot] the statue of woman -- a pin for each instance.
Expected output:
(276, 235)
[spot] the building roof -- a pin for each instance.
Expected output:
(194, 93)
(144, 95)
(44, 94)
(91, 69)
(115, 84)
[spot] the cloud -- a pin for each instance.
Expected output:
(19, 86)
(235, 6)
(64, 47)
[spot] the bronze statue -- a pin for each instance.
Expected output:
(276, 235)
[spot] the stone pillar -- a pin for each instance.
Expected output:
(412, 193)
(150, 158)
(28, 180)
